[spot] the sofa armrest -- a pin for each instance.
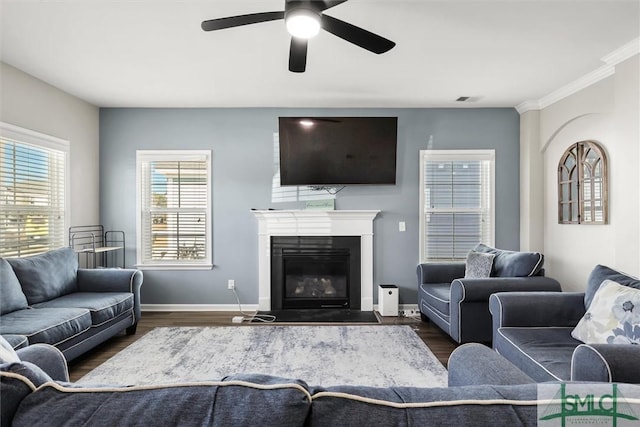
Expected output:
(476, 364)
(471, 290)
(539, 309)
(112, 280)
(618, 363)
(440, 272)
(48, 358)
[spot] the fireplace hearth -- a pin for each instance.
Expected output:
(315, 272)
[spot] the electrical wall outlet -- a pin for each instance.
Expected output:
(231, 284)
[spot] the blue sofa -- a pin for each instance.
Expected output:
(533, 331)
(460, 306)
(47, 299)
(484, 389)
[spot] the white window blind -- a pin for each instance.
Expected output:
(456, 199)
(33, 188)
(174, 224)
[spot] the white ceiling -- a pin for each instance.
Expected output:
(152, 53)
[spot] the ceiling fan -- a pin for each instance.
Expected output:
(303, 20)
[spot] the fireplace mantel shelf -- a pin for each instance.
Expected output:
(315, 223)
(313, 213)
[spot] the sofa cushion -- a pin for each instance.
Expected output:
(437, 295)
(601, 273)
(46, 325)
(103, 306)
(513, 264)
(232, 402)
(613, 317)
(484, 405)
(11, 296)
(48, 275)
(19, 379)
(542, 353)
(478, 265)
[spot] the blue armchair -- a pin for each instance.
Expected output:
(533, 331)
(460, 306)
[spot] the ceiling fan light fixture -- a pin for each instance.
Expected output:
(303, 23)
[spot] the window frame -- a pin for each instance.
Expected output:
(146, 156)
(17, 134)
(455, 155)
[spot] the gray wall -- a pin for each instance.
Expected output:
(35, 105)
(241, 141)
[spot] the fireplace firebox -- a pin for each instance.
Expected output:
(315, 272)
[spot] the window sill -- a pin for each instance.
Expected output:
(174, 266)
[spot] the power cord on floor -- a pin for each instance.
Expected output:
(246, 317)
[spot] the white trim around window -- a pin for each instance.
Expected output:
(34, 191)
(457, 203)
(173, 210)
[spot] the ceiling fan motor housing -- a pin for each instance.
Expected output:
(294, 5)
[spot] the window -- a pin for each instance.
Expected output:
(33, 188)
(456, 202)
(174, 209)
(582, 185)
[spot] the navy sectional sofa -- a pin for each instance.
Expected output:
(484, 389)
(47, 299)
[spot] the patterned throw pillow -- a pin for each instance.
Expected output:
(613, 316)
(7, 354)
(478, 265)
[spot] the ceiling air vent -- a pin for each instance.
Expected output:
(468, 99)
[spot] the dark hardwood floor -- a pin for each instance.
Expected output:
(439, 342)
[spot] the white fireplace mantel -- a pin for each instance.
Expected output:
(315, 223)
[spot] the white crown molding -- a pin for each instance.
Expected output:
(577, 85)
(622, 53)
(527, 106)
(611, 60)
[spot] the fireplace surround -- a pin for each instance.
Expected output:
(308, 223)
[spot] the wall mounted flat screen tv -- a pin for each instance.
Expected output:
(327, 151)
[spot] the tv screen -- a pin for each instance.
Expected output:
(337, 150)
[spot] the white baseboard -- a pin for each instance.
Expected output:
(197, 307)
(231, 307)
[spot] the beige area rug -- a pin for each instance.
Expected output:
(368, 355)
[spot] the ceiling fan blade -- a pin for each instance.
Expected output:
(237, 21)
(298, 55)
(327, 4)
(356, 35)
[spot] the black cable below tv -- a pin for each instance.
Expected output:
(333, 151)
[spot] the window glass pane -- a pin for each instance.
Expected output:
(586, 193)
(178, 236)
(438, 182)
(574, 211)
